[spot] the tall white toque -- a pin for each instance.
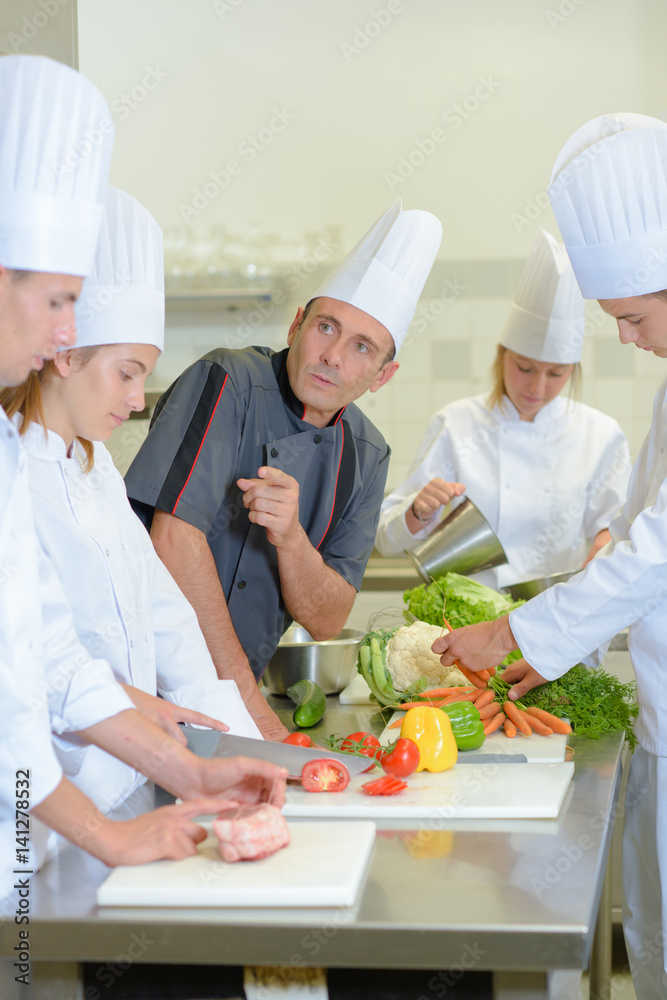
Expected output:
(384, 274)
(122, 301)
(56, 139)
(609, 195)
(546, 320)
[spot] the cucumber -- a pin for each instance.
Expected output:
(311, 703)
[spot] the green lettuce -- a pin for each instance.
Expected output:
(461, 600)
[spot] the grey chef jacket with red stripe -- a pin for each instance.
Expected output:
(228, 414)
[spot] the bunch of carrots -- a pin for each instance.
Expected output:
(485, 688)
(511, 715)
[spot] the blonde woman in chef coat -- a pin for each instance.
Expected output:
(548, 473)
(609, 195)
(127, 608)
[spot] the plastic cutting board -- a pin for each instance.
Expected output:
(468, 791)
(538, 749)
(323, 865)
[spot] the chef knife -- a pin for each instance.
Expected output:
(283, 754)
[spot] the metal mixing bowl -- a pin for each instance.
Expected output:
(331, 663)
(531, 588)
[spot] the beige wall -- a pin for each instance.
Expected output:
(470, 100)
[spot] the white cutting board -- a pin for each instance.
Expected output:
(323, 865)
(538, 749)
(465, 791)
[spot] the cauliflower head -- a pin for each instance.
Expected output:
(409, 658)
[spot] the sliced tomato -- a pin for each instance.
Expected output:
(384, 786)
(299, 739)
(401, 758)
(363, 743)
(324, 775)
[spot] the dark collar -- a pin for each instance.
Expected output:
(279, 364)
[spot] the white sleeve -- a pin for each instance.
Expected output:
(80, 691)
(186, 675)
(566, 623)
(26, 743)
(609, 486)
(435, 459)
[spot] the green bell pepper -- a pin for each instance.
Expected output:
(467, 725)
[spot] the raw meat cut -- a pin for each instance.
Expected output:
(247, 833)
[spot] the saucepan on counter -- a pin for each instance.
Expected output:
(463, 542)
(330, 663)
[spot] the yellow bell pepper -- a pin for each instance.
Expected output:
(431, 730)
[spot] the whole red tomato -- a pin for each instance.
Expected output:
(299, 739)
(324, 775)
(363, 743)
(401, 758)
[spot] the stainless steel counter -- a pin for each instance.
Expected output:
(516, 897)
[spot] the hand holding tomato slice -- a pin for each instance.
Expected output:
(401, 758)
(324, 775)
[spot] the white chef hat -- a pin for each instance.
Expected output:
(56, 139)
(546, 320)
(609, 195)
(384, 274)
(122, 300)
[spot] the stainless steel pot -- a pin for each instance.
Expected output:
(331, 663)
(463, 542)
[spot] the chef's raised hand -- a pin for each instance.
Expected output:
(245, 779)
(523, 677)
(476, 647)
(437, 493)
(272, 500)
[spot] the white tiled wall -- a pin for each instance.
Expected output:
(447, 360)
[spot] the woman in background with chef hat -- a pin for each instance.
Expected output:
(126, 606)
(547, 473)
(55, 146)
(609, 194)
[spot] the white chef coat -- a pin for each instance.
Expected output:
(626, 587)
(47, 678)
(546, 486)
(127, 607)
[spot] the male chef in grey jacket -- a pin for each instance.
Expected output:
(261, 482)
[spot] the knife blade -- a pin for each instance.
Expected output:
(283, 754)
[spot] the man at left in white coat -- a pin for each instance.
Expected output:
(55, 147)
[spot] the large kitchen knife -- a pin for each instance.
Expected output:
(283, 754)
(492, 758)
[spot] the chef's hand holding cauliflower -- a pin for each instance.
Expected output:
(399, 662)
